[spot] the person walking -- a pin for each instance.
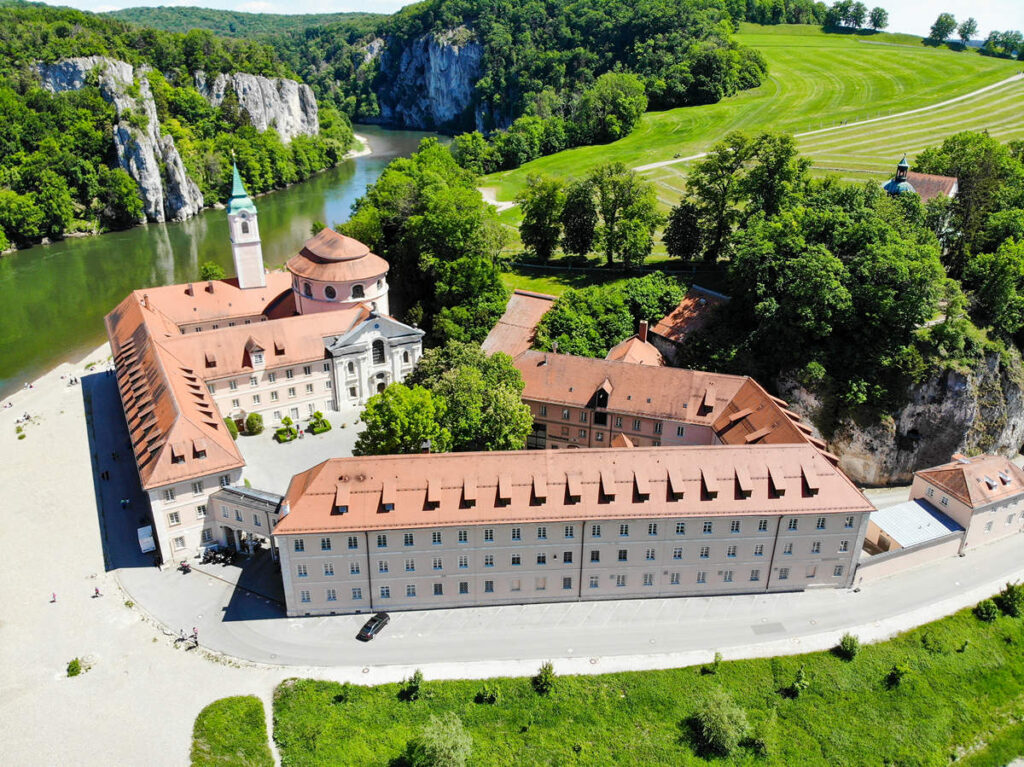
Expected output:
(53, 597)
(195, 636)
(97, 593)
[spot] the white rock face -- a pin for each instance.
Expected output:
(285, 105)
(169, 195)
(981, 411)
(429, 83)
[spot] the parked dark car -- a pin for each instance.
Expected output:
(373, 627)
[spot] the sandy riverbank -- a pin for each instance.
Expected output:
(366, 148)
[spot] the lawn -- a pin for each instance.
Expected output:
(231, 732)
(815, 80)
(963, 692)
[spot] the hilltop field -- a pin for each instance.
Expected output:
(817, 80)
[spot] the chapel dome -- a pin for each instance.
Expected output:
(333, 257)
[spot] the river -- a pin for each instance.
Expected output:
(53, 297)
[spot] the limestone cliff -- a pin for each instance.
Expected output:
(285, 105)
(168, 194)
(978, 411)
(428, 82)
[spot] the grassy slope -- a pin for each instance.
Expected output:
(951, 701)
(815, 80)
(232, 732)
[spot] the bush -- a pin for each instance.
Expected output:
(713, 668)
(1011, 600)
(443, 742)
(231, 427)
(897, 674)
(986, 610)
(800, 683)
(254, 423)
(721, 723)
(490, 694)
(544, 682)
(412, 687)
(848, 647)
(318, 424)
(287, 432)
(74, 667)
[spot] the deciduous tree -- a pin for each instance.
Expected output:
(541, 202)
(879, 18)
(967, 30)
(399, 420)
(629, 214)
(683, 236)
(579, 218)
(943, 28)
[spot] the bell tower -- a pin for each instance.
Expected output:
(244, 231)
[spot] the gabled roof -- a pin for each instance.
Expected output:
(515, 331)
(637, 352)
(692, 314)
(977, 481)
(928, 185)
(386, 326)
(577, 484)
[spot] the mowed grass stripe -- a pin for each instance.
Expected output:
(815, 80)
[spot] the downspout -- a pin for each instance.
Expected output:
(369, 572)
(775, 546)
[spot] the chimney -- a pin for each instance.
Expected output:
(209, 286)
(145, 300)
(643, 331)
(189, 290)
(425, 447)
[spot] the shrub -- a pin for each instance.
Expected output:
(254, 423)
(544, 682)
(897, 674)
(412, 687)
(74, 667)
(1011, 600)
(318, 424)
(721, 723)
(443, 742)
(848, 647)
(287, 432)
(800, 683)
(490, 694)
(231, 427)
(713, 668)
(986, 610)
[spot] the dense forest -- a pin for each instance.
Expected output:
(58, 164)
(237, 23)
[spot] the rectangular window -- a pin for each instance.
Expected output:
(594, 581)
(543, 411)
(708, 528)
(224, 511)
(254, 381)
(988, 527)
(233, 385)
(488, 560)
(787, 549)
(435, 537)
(407, 539)
(328, 569)
(599, 436)
(410, 590)
(517, 559)
(382, 566)
(238, 515)
(820, 525)
(301, 571)
(837, 571)
(327, 367)
(759, 550)
(517, 534)
(273, 398)
(731, 552)
(677, 552)
(357, 594)
(463, 587)
(657, 427)
(488, 587)
(307, 370)
(680, 528)
(650, 555)
(583, 433)
(463, 536)
(271, 377)
(410, 565)
(437, 563)
(235, 403)
(353, 568)
(382, 541)
(291, 391)
(816, 547)
(542, 533)
(385, 592)
(515, 585)
(783, 573)
(179, 542)
(169, 494)
(309, 388)
(848, 523)
(583, 416)
(353, 542)
(197, 488)
(212, 388)
(595, 531)
(207, 535)
(762, 525)
(438, 589)
(567, 557)
(844, 546)
(624, 530)
(637, 424)
(463, 562)
(325, 544)
(680, 431)
(620, 581)
(567, 584)
(256, 520)
(352, 393)
(328, 384)
(702, 577)
(300, 545)
(755, 575)
(618, 422)
(623, 555)
(792, 524)
(727, 576)
(570, 531)
(595, 556)
(565, 414)
(734, 526)
(705, 552)
(304, 596)
(542, 559)
(652, 528)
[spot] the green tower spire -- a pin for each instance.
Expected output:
(240, 199)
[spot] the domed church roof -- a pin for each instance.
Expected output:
(333, 257)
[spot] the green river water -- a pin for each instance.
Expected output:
(53, 297)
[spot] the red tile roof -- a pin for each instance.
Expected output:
(515, 331)
(928, 185)
(576, 485)
(333, 257)
(977, 481)
(692, 314)
(637, 352)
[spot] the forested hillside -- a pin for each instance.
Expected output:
(59, 166)
(239, 24)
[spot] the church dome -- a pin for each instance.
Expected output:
(333, 257)
(895, 187)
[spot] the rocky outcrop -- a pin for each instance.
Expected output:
(428, 83)
(981, 411)
(288, 107)
(168, 194)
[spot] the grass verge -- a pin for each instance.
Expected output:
(231, 732)
(960, 699)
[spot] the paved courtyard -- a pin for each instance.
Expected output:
(66, 533)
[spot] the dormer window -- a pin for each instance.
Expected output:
(257, 358)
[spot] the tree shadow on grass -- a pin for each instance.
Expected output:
(691, 736)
